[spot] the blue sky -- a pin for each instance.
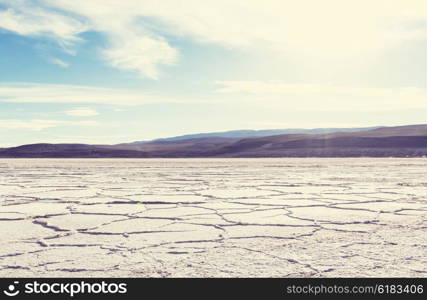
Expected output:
(119, 71)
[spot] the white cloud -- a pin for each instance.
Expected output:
(138, 32)
(82, 112)
(27, 18)
(38, 125)
(291, 97)
(55, 93)
(140, 54)
(303, 96)
(59, 62)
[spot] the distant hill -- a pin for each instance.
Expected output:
(67, 151)
(257, 133)
(398, 141)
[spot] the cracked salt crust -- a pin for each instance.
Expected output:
(213, 217)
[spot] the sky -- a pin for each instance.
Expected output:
(107, 71)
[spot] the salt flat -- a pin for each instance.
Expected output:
(213, 217)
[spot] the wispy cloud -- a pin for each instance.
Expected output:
(59, 62)
(139, 32)
(288, 97)
(82, 112)
(140, 54)
(28, 18)
(304, 96)
(38, 125)
(56, 93)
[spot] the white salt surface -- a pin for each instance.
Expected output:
(213, 217)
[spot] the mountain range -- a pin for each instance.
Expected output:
(257, 133)
(398, 141)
